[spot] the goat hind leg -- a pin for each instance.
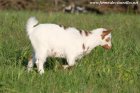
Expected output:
(31, 63)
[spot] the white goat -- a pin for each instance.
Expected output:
(52, 40)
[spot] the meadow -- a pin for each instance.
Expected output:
(102, 71)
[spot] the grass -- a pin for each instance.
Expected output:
(102, 71)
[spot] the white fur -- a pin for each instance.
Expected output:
(30, 24)
(51, 40)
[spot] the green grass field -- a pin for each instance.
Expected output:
(102, 71)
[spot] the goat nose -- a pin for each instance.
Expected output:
(107, 46)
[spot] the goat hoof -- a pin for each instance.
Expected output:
(65, 66)
(29, 69)
(41, 72)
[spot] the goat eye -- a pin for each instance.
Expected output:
(108, 39)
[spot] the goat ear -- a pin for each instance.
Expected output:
(104, 33)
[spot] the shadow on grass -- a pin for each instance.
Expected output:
(23, 56)
(50, 63)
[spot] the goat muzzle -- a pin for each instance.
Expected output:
(106, 46)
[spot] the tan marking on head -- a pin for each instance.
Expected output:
(108, 39)
(105, 33)
(106, 46)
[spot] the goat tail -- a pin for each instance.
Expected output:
(31, 23)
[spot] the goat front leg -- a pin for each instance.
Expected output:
(71, 62)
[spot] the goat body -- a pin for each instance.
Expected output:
(51, 40)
